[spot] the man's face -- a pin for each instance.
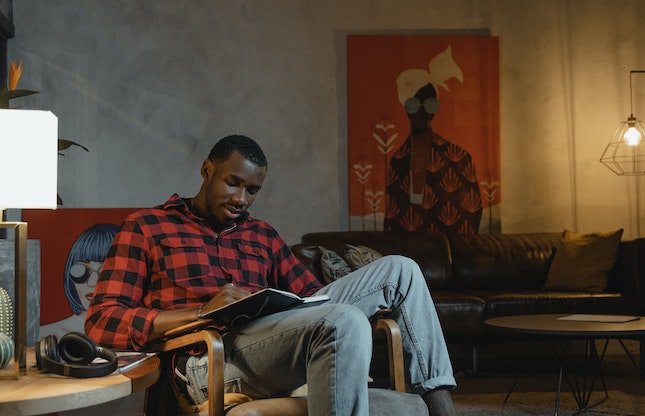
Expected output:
(230, 187)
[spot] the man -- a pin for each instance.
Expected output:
(169, 263)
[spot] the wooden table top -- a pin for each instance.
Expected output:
(585, 326)
(38, 393)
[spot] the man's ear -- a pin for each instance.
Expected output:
(207, 168)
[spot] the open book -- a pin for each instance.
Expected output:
(264, 302)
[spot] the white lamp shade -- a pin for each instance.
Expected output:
(28, 159)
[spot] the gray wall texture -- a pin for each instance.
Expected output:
(149, 85)
(7, 282)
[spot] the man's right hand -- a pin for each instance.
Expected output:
(170, 319)
(227, 295)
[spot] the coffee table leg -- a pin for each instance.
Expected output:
(510, 391)
(640, 368)
(557, 396)
(593, 363)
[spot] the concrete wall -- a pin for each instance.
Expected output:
(149, 85)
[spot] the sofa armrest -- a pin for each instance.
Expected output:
(628, 275)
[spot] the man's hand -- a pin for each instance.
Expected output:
(227, 295)
(170, 319)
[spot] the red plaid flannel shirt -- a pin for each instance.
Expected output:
(168, 258)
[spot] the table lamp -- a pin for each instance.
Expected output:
(28, 179)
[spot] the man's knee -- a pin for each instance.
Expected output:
(348, 320)
(347, 330)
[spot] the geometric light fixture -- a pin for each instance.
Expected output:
(625, 153)
(28, 179)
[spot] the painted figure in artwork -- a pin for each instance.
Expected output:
(82, 269)
(432, 183)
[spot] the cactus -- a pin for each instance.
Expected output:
(6, 314)
(6, 350)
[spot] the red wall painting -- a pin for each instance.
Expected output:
(73, 244)
(383, 72)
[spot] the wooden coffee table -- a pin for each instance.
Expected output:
(37, 393)
(567, 327)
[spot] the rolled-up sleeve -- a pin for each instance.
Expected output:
(117, 317)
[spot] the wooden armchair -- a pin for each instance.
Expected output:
(387, 337)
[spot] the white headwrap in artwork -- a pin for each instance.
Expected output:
(442, 67)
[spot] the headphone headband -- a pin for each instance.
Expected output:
(78, 351)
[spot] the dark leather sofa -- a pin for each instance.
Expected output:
(475, 277)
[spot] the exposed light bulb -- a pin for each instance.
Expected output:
(632, 136)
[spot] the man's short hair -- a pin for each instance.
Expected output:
(246, 146)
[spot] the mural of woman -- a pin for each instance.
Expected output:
(81, 272)
(432, 183)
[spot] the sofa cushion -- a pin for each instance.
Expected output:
(359, 256)
(502, 261)
(503, 303)
(461, 315)
(430, 250)
(332, 265)
(583, 262)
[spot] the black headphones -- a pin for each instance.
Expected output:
(78, 350)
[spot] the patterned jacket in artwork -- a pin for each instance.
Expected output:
(451, 202)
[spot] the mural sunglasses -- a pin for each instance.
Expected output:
(81, 271)
(413, 105)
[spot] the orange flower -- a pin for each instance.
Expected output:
(15, 71)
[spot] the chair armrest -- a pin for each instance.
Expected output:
(215, 351)
(387, 328)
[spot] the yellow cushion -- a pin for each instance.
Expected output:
(583, 262)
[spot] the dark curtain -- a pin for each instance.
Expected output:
(6, 32)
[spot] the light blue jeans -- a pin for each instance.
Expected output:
(329, 346)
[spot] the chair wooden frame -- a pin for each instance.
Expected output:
(389, 330)
(383, 329)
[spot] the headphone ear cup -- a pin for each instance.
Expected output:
(77, 348)
(47, 351)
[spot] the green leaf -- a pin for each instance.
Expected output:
(6, 95)
(64, 144)
(9, 94)
(20, 93)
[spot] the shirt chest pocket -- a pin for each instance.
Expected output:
(183, 258)
(248, 263)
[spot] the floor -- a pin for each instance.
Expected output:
(498, 365)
